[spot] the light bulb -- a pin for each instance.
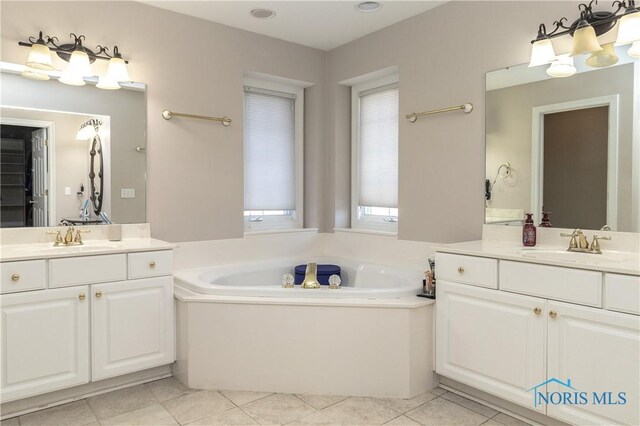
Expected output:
(79, 64)
(629, 27)
(542, 53)
(562, 67)
(71, 79)
(584, 39)
(107, 84)
(39, 57)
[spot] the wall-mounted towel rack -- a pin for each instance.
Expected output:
(413, 117)
(166, 114)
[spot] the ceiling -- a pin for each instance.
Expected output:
(321, 24)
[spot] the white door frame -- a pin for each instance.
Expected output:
(537, 152)
(51, 160)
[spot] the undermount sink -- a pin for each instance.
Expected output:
(572, 256)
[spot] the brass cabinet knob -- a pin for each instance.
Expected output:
(553, 314)
(15, 277)
(82, 296)
(537, 311)
(460, 269)
(98, 294)
(152, 264)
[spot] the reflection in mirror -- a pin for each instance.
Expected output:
(563, 145)
(52, 144)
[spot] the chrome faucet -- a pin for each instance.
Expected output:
(310, 277)
(580, 243)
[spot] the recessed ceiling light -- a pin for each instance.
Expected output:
(263, 13)
(368, 6)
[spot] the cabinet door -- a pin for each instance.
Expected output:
(598, 351)
(491, 340)
(132, 326)
(45, 341)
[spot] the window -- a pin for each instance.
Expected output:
(375, 155)
(272, 155)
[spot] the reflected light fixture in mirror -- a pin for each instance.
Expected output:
(634, 50)
(585, 32)
(39, 65)
(563, 66)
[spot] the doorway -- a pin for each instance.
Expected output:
(575, 163)
(24, 173)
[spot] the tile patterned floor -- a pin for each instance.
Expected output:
(167, 402)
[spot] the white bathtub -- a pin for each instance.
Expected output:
(238, 329)
(360, 280)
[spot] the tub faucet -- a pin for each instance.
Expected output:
(310, 277)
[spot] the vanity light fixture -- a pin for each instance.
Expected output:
(39, 65)
(563, 66)
(585, 31)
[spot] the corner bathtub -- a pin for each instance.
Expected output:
(238, 329)
(263, 279)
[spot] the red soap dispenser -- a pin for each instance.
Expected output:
(529, 231)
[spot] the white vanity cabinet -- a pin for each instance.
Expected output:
(132, 326)
(539, 323)
(45, 341)
(78, 324)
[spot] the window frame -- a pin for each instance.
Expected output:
(363, 221)
(296, 217)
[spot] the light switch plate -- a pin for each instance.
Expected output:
(127, 193)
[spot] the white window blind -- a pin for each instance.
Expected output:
(269, 150)
(378, 148)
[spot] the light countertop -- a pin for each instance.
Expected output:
(17, 252)
(620, 262)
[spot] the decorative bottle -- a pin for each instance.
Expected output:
(546, 223)
(529, 231)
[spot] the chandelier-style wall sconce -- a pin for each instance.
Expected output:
(39, 65)
(585, 32)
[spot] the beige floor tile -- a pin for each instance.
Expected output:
(196, 406)
(169, 388)
(357, 410)
(442, 412)
(244, 397)
(235, 417)
(404, 405)
(121, 401)
(438, 391)
(471, 405)
(10, 422)
(153, 415)
(277, 409)
(507, 420)
(321, 401)
(402, 421)
(74, 413)
(317, 418)
(491, 422)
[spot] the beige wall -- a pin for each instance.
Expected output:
(509, 130)
(194, 171)
(443, 56)
(195, 168)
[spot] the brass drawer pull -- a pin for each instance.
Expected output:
(98, 294)
(15, 277)
(82, 296)
(553, 314)
(537, 311)
(152, 264)
(460, 269)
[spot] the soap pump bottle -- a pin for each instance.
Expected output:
(529, 231)
(546, 222)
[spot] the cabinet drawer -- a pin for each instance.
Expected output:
(552, 282)
(150, 264)
(472, 270)
(22, 276)
(87, 270)
(622, 293)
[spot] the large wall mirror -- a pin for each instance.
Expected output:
(568, 146)
(71, 155)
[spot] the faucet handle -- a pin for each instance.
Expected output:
(58, 239)
(595, 245)
(573, 243)
(78, 238)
